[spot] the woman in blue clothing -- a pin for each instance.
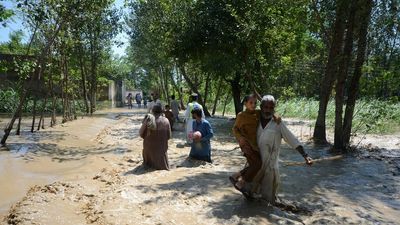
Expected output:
(201, 147)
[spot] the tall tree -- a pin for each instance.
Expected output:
(364, 16)
(328, 79)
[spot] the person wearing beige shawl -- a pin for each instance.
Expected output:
(156, 132)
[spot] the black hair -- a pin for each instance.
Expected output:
(157, 109)
(198, 112)
(194, 98)
(247, 98)
(172, 97)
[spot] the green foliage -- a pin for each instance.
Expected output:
(5, 14)
(9, 99)
(371, 115)
(381, 77)
(14, 45)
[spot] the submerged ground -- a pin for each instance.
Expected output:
(89, 172)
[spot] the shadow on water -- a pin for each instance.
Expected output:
(43, 134)
(359, 182)
(226, 207)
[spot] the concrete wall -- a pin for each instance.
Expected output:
(117, 93)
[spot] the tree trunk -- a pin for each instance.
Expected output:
(73, 109)
(206, 89)
(195, 90)
(19, 123)
(53, 114)
(342, 75)
(34, 113)
(41, 120)
(164, 84)
(319, 135)
(217, 96)
(68, 115)
(39, 70)
(93, 75)
(365, 15)
(236, 89)
(177, 87)
(53, 97)
(83, 77)
(225, 103)
(167, 99)
(93, 93)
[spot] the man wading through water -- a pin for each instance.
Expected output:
(269, 137)
(245, 131)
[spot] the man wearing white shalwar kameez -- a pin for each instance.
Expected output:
(269, 138)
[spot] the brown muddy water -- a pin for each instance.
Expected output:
(89, 172)
(66, 152)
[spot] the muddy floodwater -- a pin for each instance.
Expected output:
(89, 172)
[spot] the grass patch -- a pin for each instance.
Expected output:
(370, 115)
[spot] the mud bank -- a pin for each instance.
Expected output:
(99, 179)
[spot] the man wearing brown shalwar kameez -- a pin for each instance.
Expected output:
(155, 131)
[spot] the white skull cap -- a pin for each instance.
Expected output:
(268, 98)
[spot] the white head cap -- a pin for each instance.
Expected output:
(268, 98)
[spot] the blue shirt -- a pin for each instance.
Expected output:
(202, 149)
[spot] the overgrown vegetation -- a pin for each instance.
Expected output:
(371, 116)
(9, 99)
(222, 50)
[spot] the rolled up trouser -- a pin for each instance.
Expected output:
(253, 162)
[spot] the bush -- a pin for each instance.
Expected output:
(370, 116)
(9, 100)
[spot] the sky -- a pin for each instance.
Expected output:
(15, 24)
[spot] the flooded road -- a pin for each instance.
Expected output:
(66, 152)
(18, 174)
(89, 172)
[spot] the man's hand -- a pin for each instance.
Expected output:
(308, 160)
(277, 118)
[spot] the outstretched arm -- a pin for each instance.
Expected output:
(308, 159)
(294, 142)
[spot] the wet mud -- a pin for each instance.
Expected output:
(89, 171)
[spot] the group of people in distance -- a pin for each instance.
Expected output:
(138, 99)
(259, 133)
